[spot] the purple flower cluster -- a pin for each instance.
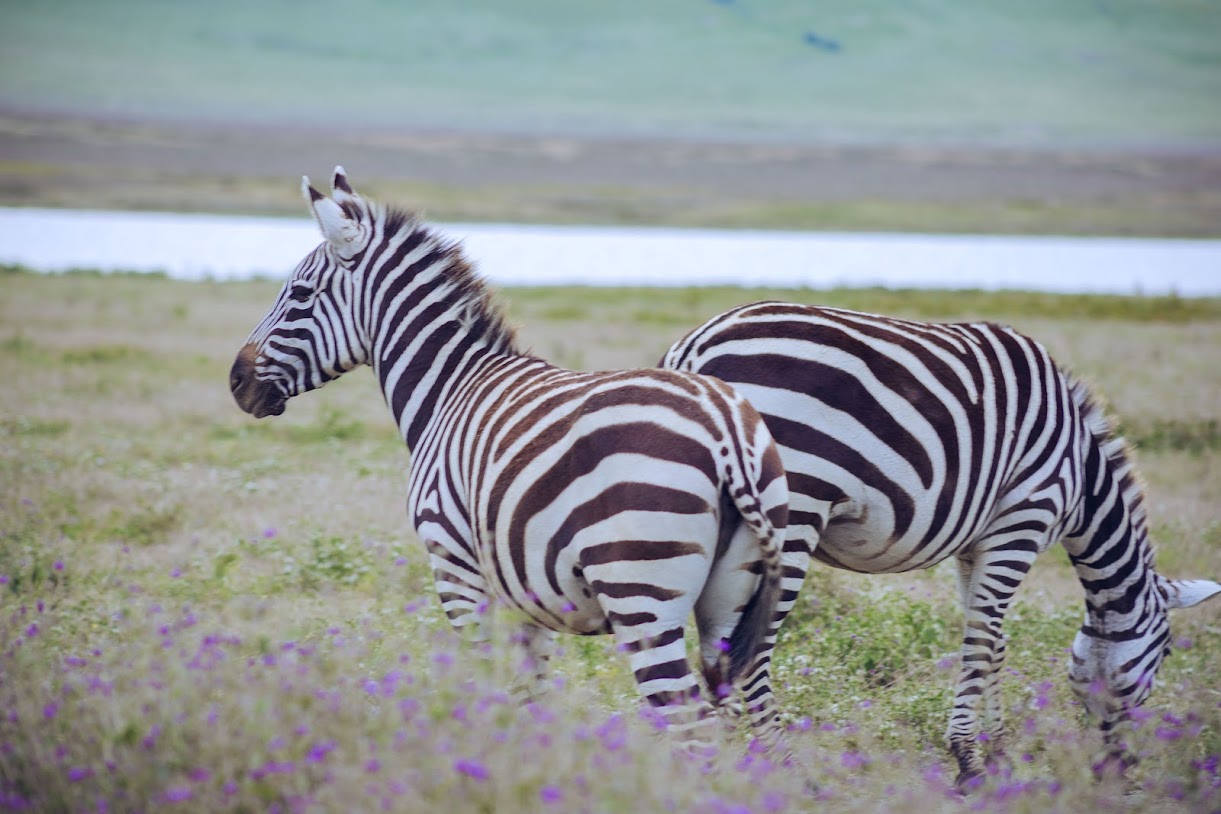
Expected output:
(167, 707)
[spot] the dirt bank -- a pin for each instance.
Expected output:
(81, 162)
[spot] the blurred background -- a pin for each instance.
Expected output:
(1098, 117)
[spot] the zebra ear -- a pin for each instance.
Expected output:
(341, 190)
(1183, 593)
(339, 230)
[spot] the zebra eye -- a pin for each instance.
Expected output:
(300, 293)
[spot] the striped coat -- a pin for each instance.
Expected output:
(585, 503)
(907, 443)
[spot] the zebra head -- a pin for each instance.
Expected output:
(1115, 662)
(309, 336)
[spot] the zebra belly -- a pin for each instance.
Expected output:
(856, 547)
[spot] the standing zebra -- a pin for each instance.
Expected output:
(906, 443)
(589, 503)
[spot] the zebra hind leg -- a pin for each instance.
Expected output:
(658, 658)
(988, 578)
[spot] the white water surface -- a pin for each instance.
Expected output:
(230, 247)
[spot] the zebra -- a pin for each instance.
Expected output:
(590, 503)
(910, 442)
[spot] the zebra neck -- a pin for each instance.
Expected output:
(431, 329)
(1110, 547)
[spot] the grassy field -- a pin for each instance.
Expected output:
(1111, 72)
(199, 612)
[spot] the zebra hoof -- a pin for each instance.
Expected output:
(1114, 764)
(969, 780)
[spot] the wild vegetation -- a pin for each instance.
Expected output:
(199, 612)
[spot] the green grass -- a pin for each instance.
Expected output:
(1129, 71)
(204, 612)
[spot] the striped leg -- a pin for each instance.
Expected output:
(717, 613)
(988, 577)
(657, 653)
(756, 680)
(659, 663)
(460, 585)
(538, 645)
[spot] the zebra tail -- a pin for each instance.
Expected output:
(763, 504)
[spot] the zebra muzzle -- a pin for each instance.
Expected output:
(254, 396)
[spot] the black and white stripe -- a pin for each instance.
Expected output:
(906, 443)
(588, 503)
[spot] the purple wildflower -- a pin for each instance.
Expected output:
(58, 565)
(269, 532)
(774, 802)
(373, 766)
(319, 751)
(179, 794)
(853, 760)
(551, 795)
(473, 769)
(50, 710)
(613, 733)
(78, 773)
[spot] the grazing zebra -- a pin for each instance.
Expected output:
(906, 443)
(588, 503)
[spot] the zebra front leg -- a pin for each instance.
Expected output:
(461, 588)
(538, 646)
(988, 578)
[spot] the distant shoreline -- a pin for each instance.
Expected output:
(234, 167)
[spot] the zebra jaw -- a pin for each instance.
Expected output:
(254, 396)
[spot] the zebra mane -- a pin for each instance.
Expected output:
(1115, 449)
(484, 316)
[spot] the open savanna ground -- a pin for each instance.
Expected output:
(201, 612)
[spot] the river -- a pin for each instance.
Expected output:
(194, 246)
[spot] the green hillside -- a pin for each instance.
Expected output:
(1107, 72)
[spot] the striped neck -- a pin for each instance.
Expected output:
(1110, 546)
(431, 319)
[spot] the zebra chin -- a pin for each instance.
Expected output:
(260, 400)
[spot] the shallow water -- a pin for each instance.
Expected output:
(230, 247)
